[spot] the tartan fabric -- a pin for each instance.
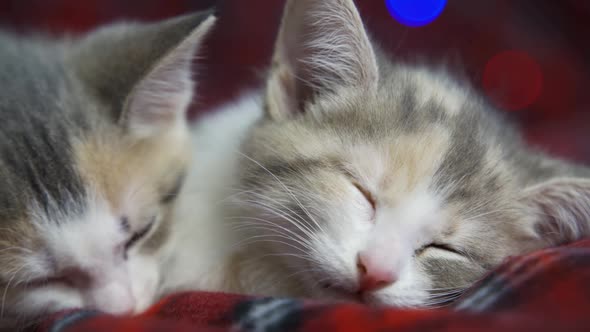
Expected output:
(548, 290)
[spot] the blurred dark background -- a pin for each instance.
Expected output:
(543, 80)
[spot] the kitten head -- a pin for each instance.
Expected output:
(94, 148)
(385, 183)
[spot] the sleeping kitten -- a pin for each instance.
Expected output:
(358, 178)
(93, 142)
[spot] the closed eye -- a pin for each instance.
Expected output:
(173, 192)
(44, 282)
(70, 277)
(138, 235)
(367, 194)
(443, 247)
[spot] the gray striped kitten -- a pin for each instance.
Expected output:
(93, 148)
(355, 177)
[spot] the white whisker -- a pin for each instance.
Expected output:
(2, 306)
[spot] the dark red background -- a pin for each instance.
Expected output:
(469, 33)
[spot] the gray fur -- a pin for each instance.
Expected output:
(56, 92)
(40, 114)
(422, 126)
(113, 59)
(67, 148)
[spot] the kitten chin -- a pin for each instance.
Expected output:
(392, 183)
(93, 155)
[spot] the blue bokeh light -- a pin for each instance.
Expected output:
(415, 13)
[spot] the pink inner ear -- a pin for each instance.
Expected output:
(561, 208)
(322, 46)
(560, 223)
(161, 99)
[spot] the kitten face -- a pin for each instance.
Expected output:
(93, 249)
(93, 153)
(385, 183)
(350, 192)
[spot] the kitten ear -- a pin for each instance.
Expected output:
(560, 209)
(142, 72)
(160, 99)
(322, 46)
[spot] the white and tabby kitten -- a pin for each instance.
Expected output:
(93, 150)
(352, 176)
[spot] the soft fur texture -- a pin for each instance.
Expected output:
(94, 146)
(351, 167)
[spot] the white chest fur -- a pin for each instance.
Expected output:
(201, 249)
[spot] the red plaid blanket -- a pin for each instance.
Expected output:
(544, 291)
(548, 290)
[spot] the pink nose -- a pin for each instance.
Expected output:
(373, 275)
